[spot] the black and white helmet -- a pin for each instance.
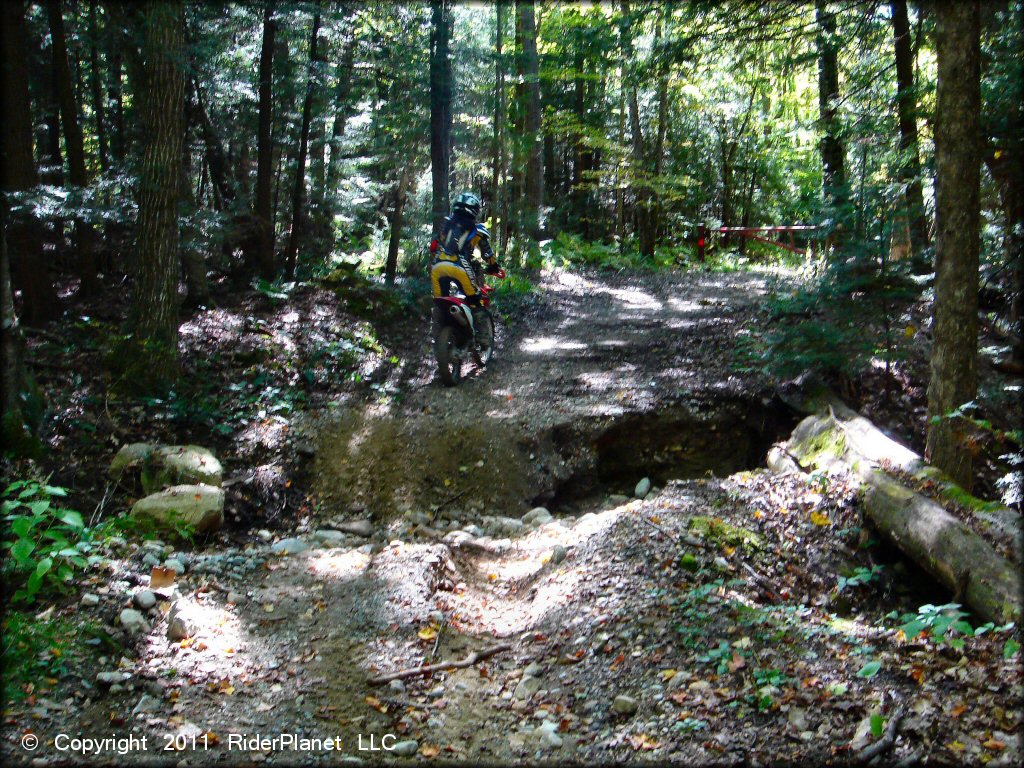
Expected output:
(468, 202)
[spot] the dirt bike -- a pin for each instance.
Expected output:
(458, 338)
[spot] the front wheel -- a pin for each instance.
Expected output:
(446, 350)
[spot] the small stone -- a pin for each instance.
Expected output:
(624, 705)
(526, 688)
(537, 516)
(151, 560)
(112, 678)
(264, 534)
(474, 530)
(175, 565)
(179, 629)
(535, 669)
(289, 547)
(547, 736)
(329, 538)
(144, 599)
(89, 600)
(236, 598)
(397, 685)
(146, 704)
(722, 564)
(133, 621)
(558, 554)
(642, 488)
(406, 748)
(362, 528)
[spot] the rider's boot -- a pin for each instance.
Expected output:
(479, 319)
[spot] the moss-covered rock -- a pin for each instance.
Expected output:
(180, 464)
(199, 507)
(718, 531)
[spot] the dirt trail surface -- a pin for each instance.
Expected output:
(691, 616)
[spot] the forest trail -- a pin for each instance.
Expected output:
(696, 624)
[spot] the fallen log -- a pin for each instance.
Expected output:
(947, 548)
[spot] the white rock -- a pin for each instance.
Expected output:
(642, 488)
(133, 621)
(89, 600)
(537, 516)
(236, 598)
(547, 736)
(199, 506)
(535, 669)
(171, 465)
(358, 527)
(329, 538)
(406, 748)
(130, 456)
(526, 688)
(146, 704)
(112, 678)
(289, 547)
(176, 565)
(144, 599)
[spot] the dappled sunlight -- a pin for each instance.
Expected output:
(545, 344)
(265, 432)
(336, 565)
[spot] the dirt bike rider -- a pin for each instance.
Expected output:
(452, 252)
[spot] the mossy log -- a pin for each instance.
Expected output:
(937, 540)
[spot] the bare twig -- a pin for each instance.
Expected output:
(426, 669)
(445, 503)
(413, 704)
(885, 743)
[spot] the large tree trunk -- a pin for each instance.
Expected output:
(85, 236)
(18, 170)
(982, 573)
(498, 147)
(391, 266)
(954, 354)
(644, 219)
(99, 112)
(832, 154)
(533, 193)
(263, 210)
(298, 191)
(906, 105)
(440, 110)
(154, 313)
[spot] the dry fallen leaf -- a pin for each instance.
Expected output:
(161, 577)
(429, 750)
(643, 742)
(819, 519)
(428, 633)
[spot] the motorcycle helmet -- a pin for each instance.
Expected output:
(468, 202)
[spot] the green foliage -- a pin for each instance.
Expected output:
(860, 577)
(34, 649)
(46, 541)
(944, 624)
(870, 669)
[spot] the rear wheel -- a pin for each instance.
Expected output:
(485, 338)
(446, 350)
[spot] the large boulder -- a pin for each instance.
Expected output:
(198, 506)
(180, 465)
(130, 457)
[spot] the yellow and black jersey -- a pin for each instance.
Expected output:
(462, 237)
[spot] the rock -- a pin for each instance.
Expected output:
(547, 736)
(526, 688)
(236, 598)
(180, 465)
(507, 526)
(144, 599)
(558, 554)
(89, 600)
(289, 547)
(474, 530)
(264, 534)
(112, 678)
(146, 704)
(537, 517)
(329, 538)
(133, 621)
(642, 488)
(175, 565)
(357, 527)
(150, 560)
(457, 538)
(535, 669)
(406, 748)
(624, 705)
(129, 457)
(397, 685)
(198, 506)
(181, 624)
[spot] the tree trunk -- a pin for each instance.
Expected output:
(115, 93)
(341, 110)
(832, 154)
(498, 149)
(192, 257)
(534, 180)
(85, 236)
(906, 104)
(957, 178)
(298, 191)
(440, 110)
(96, 89)
(154, 313)
(17, 167)
(215, 157)
(643, 191)
(263, 210)
(391, 265)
